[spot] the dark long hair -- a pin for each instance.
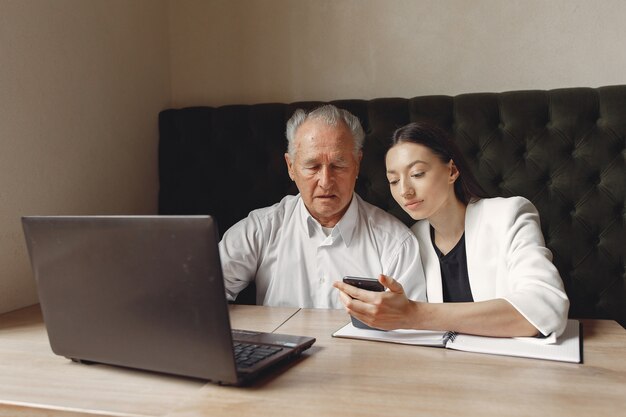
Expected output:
(466, 187)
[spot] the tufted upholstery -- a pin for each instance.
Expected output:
(562, 149)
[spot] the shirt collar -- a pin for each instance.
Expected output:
(344, 228)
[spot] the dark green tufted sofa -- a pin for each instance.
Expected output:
(562, 149)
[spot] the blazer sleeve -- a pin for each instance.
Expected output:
(536, 288)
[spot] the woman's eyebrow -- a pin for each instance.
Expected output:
(411, 165)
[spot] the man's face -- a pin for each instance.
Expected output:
(324, 168)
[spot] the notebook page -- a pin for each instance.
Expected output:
(407, 337)
(566, 348)
(540, 340)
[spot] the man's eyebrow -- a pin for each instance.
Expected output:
(310, 161)
(316, 160)
(411, 165)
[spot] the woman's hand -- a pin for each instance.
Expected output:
(383, 310)
(393, 310)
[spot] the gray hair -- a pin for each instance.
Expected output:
(329, 114)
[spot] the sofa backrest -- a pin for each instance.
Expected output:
(562, 149)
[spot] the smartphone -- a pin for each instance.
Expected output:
(370, 284)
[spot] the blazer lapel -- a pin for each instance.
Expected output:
(481, 256)
(430, 262)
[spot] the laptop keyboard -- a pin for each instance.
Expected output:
(248, 354)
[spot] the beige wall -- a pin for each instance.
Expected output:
(247, 51)
(82, 81)
(81, 85)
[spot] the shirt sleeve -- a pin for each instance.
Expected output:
(240, 251)
(405, 267)
(537, 290)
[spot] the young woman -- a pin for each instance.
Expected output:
(487, 269)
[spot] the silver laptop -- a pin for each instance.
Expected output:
(145, 292)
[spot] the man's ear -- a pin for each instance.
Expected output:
(454, 172)
(289, 166)
(359, 157)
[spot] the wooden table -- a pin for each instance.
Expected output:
(335, 377)
(33, 380)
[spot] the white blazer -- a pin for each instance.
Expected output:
(506, 258)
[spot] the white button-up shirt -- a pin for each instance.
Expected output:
(294, 263)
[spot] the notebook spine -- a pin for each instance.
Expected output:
(449, 337)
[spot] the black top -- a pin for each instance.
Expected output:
(454, 276)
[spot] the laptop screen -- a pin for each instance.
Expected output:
(139, 291)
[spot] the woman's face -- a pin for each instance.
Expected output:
(420, 182)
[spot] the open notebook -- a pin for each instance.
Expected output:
(566, 348)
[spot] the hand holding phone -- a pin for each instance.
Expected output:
(369, 284)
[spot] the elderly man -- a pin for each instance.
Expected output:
(296, 249)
